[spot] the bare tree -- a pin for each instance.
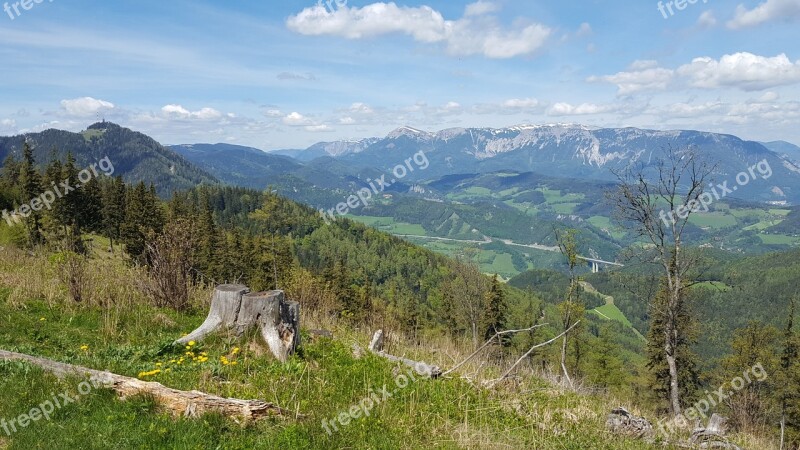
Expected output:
(467, 288)
(169, 266)
(658, 202)
(570, 308)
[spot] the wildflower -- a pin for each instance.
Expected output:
(235, 351)
(192, 343)
(42, 319)
(84, 347)
(158, 364)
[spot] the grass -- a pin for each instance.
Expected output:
(389, 225)
(778, 239)
(713, 220)
(564, 208)
(610, 311)
(321, 382)
(604, 223)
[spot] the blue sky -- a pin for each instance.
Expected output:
(289, 74)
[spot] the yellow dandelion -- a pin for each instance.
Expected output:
(192, 343)
(84, 347)
(42, 319)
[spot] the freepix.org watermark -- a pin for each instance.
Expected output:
(47, 408)
(16, 9)
(57, 191)
(679, 5)
(718, 192)
(701, 408)
(364, 407)
(364, 195)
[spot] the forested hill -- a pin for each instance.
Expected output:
(135, 156)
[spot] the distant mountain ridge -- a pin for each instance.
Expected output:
(135, 156)
(577, 151)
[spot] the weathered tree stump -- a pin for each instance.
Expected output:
(278, 319)
(225, 304)
(235, 308)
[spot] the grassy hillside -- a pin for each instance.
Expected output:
(116, 329)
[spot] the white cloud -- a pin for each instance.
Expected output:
(85, 106)
(273, 113)
(744, 70)
(765, 12)
(470, 35)
(480, 8)
(296, 76)
(295, 119)
(584, 30)
(643, 77)
(179, 112)
(361, 108)
(566, 109)
(347, 121)
(707, 19)
(318, 128)
(8, 126)
(521, 103)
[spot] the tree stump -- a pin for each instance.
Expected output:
(225, 304)
(235, 308)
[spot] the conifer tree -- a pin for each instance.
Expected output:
(31, 184)
(495, 314)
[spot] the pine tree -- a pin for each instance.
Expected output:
(495, 314)
(137, 217)
(91, 207)
(114, 209)
(787, 383)
(31, 183)
(752, 346)
(686, 359)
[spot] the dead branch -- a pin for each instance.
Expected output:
(485, 344)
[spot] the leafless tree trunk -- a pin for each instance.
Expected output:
(659, 211)
(468, 288)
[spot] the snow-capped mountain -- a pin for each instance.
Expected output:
(568, 151)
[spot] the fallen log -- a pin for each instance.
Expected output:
(422, 368)
(235, 308)
(178, 403)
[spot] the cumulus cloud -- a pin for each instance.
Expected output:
(707, 19)
(8, 126)
(642, 76)
(744, 70)
(566, 109)
(480, 8)
(767, 11)
(522, 103)
(85, 106)
(318, 128)
(295, 119)
(179, 112)
(361, 108)
(473, 34)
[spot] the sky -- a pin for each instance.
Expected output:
(288, 74)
